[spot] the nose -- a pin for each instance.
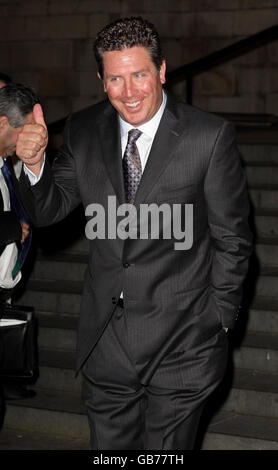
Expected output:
(129, 89)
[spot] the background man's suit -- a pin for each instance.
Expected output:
(174, 301)
(11, 230)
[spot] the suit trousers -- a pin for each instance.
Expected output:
(124, 414)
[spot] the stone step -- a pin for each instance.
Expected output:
(57, 338)
(232, 431)
(257, 351)
(59, 379)
(253, 392)
(79, 246)
(60, 266)
(267, 282)
(227, 431)
(266, 249)
(19, 439)
(264, 321)
(264, 198)
(55, 412)
(57, 370)
(259, 153)
(53, 296)
(265, 303)
(255, 380)
(266, 222)
(258, 174)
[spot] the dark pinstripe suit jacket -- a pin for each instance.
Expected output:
(169, 295)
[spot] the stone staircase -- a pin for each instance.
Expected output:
(244, 412)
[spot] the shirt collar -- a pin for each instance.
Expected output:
(149, 127)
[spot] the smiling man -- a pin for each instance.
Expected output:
(152, 343)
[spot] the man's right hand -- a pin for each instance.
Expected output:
(32, 141)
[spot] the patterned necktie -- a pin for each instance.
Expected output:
(132, 166)
(17, 207)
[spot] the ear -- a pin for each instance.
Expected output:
(3, 122)
(102, 80)
(162, 72)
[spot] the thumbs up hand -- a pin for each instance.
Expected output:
(32, 140)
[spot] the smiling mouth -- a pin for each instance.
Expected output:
(133, 105)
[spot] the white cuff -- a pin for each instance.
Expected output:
(32, 177)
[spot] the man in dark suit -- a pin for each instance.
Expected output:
(152, 341)
(16, 106)
(11, 121)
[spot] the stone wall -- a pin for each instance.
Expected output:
(48, 44)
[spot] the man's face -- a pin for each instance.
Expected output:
(9, 134)
(133, 83)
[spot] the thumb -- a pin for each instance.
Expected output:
(38, 115)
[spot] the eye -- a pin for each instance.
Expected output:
(139, 75)
(114, 79)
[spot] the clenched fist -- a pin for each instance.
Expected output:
(32, 141)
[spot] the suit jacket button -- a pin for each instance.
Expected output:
(126, 265)
(114, 300)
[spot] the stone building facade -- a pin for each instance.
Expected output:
(48, 44)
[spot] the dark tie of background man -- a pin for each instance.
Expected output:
(132, 166)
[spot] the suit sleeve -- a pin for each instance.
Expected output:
(56, 194)
(10, 228)
(228, 211)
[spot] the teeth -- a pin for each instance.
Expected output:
(132, 105)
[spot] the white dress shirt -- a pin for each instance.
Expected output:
(144, 142)
(32, 177)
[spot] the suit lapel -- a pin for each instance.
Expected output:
(166, 140)
(168, 136)
(111, 150)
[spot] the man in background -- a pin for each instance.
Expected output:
(16, 105)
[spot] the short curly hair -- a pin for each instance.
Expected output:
(125, 33)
